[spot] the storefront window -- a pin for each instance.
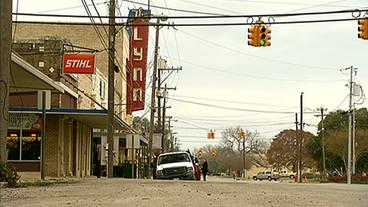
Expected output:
(26, 147)
(31, 147)
(23, 142)
(13, 146)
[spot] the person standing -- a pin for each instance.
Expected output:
(98, 160)
(204, 169)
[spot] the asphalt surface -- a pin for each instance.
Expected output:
(214, 192)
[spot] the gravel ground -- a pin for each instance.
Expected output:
(214, 192)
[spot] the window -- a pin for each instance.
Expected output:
(23, 146)
(102, 89)
(172, 158)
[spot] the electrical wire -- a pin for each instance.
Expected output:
(72, 7)
(206, 16)
(233, 108)
(227, 101)
(342, 102)
(172, 9)
(209, 6)
(263, 58)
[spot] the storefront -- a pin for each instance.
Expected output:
(24, 141)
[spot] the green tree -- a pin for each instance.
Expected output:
(336, 138)
(283, 150)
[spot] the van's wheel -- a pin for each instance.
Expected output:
(291, 176)
(269, 178)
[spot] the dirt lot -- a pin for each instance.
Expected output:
(215, 192)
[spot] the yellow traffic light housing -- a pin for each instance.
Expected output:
(363, 29)
(253, 36)
(264, 36)
(211, 135)
(213, 153)
(241, 134)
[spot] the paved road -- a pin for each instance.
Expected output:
(214, 192)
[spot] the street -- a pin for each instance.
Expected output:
(215, 192)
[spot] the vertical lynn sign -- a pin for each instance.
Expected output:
(136, 74)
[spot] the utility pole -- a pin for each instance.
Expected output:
(163, 121)
(244, 156)
(352, 70)
(5, 53)
(301, 139)
(350, 124)
(111, 90)
(153, 95)
(161, 124)
(354, 110)
(297, 137)
(159, 95)
(323, 143)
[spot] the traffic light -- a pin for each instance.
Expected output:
(253, 36)
(213, 152)
(241, 134)
(264, 36)
(363, 28)
(211, 135)
(199, 153)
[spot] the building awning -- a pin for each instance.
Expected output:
(94, 118)
(27, 78)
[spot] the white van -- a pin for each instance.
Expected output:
(175, 165)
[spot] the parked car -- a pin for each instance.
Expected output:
(175, 165)
(266, 175)
(286, 174)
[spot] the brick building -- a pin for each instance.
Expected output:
(78, 114)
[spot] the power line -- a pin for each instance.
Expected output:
(263, 58)
(205, 16)
(173, 9)
(232, 101)
(72, 7)
(222, 24)
(232, 108)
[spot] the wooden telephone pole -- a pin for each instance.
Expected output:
(5, 53)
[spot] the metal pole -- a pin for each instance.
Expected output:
(133, 160)
(244, 156)
(5, 36)
(350, 128)
(353, 146)
(21, 137)
(111, 78)
(43, 139)
(301, 139)
(154, 80)
(297, 140)
(323, 147)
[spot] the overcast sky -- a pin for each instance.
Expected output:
(231, 78)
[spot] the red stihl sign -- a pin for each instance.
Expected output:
(79, 63)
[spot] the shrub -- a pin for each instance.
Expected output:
(8, 175)
(342, 179)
